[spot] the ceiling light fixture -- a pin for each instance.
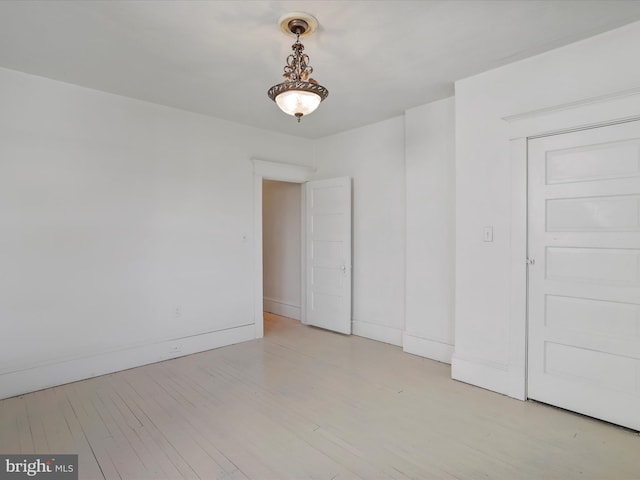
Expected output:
(299, 94)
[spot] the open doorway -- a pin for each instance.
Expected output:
(282, 249)
(325, 246)
(281, 173)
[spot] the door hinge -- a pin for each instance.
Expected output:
(531, 261)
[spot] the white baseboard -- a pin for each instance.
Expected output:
(424, 347)
(481, 373)
(380, 333)
(52, 374)
(280, 308)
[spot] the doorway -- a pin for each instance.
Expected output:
(282, 248)
(281, 172)
(325, 266)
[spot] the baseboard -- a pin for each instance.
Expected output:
(280, 308)
(52, 374)
(481, 373)
(424, 347)
(380, 333)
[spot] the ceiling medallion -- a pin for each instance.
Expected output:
(299, 94)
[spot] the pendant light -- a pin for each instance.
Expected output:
(299, 94)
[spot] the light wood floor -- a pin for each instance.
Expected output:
(308, 404)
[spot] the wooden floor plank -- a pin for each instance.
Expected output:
(165, 411)
(88, 466)
(25, 439)
(304, 403)
(14, 426)
(36, 426)
(142, 433)
(94, 430)
(156, 423)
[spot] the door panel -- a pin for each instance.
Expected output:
(584, 287)
(593, 162)
(328, 214)
(607, 213)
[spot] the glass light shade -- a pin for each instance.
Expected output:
(298, 102)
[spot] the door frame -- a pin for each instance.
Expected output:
(620, 107)
(282, 172)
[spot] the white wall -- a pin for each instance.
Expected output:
(484, 354)
(126, 231)
(281, 240)
(430, 229)
(373, 156)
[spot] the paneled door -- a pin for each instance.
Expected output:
(584, 272)
(328, 238)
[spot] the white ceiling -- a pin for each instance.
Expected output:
(377, 58)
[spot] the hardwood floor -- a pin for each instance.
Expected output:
(303, 403)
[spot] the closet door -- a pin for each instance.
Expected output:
(584, 287)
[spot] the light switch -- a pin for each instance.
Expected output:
(487, 234)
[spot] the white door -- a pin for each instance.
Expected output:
(584, 288)
(328, 269)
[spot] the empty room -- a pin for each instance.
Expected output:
(319, 239)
